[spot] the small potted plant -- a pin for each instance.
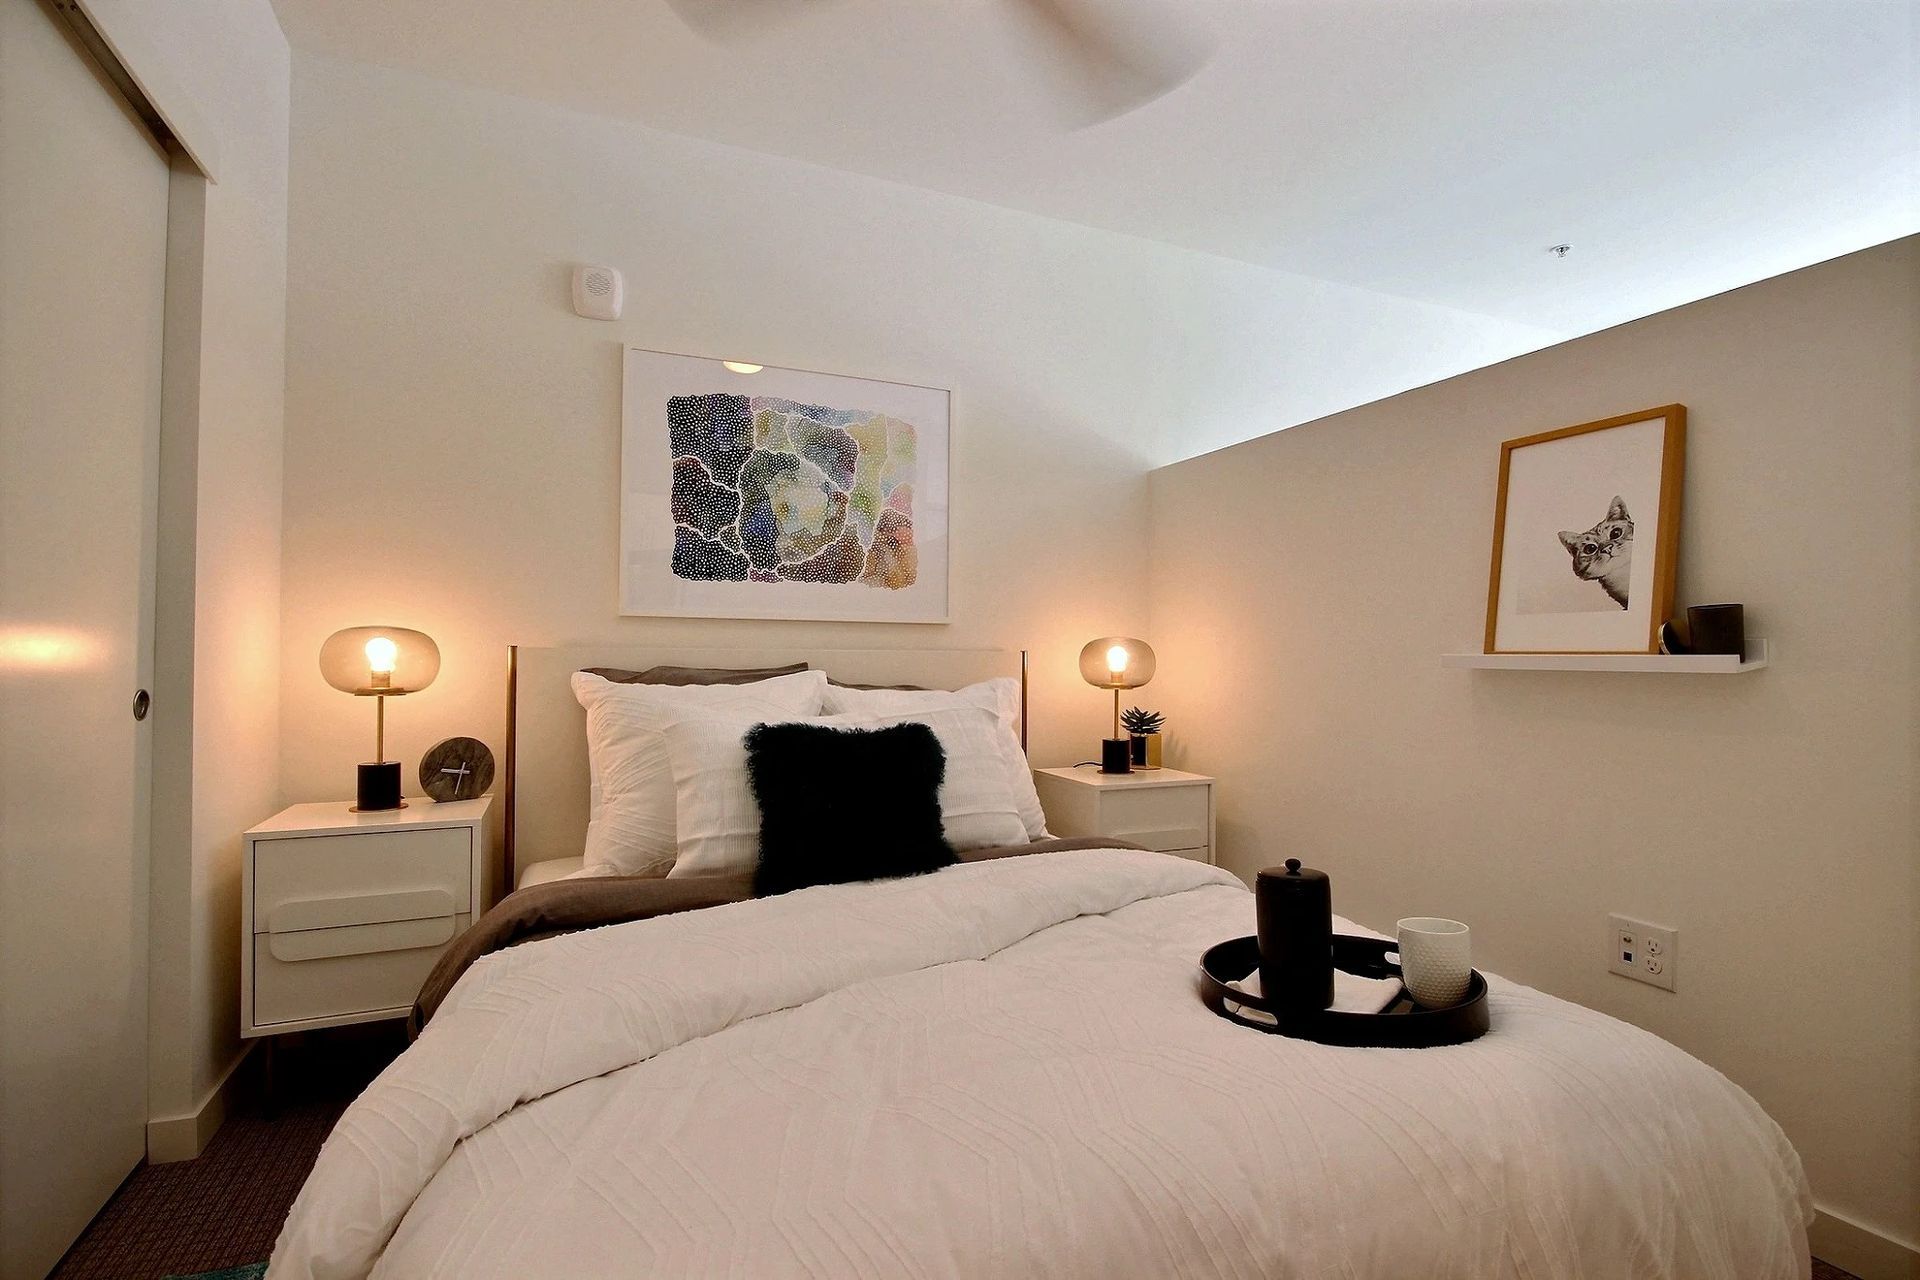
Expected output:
(1144, 728)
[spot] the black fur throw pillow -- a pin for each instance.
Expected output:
(845, 804)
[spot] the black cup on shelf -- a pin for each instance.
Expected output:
(1717, 628)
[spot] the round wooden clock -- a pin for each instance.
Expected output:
(456, 769)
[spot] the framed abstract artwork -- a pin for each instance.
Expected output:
(1586, 531)
(758, 492)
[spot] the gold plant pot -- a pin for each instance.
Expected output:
(1146, 750)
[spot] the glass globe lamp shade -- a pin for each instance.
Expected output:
(379, 661)
(1117, 662)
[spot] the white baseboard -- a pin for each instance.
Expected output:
(1861, 1250)
(183, 1137)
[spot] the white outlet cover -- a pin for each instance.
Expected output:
(1643, 951)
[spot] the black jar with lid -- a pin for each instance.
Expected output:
(1294, 909)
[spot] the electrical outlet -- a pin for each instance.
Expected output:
(1645, 952)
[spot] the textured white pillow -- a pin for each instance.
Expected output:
(1000, 696)
(630, 820)
(718, 821)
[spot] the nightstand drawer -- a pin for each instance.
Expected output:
(345, 913)
(1164, 819)
(355, 969)
(299, 876)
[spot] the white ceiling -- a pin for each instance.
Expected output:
(1428, 148)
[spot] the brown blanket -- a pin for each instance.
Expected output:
(563, 906)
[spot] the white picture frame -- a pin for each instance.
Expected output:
(764, 492)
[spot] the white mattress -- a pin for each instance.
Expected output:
(552, 869)
(1004, 1069)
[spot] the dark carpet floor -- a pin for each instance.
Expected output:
(225, 1209)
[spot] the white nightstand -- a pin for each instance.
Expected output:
(1162, 809)
(343, 914)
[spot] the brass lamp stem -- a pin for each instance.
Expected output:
(380, 728)
(1116, 712)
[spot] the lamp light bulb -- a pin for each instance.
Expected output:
(1117, 660)
(381, 654)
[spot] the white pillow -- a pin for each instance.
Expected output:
(630, 819)
(1000, 696)
(718, 820)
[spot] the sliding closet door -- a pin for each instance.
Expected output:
(83, 220)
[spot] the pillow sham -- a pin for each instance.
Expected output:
(839, 803)
(630, 820)
(717, 821)
(1000, 696)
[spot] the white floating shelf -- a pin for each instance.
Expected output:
(1759, 652)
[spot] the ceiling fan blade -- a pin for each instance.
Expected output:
(726, 21)
(1109, 59)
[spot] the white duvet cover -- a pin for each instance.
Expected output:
(1004, 1069)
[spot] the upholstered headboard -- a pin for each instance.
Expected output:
(545, 770)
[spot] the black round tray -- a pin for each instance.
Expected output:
(1402, 1025)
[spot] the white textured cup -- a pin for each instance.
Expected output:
(1436, 960)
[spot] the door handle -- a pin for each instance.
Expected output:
(141, 701)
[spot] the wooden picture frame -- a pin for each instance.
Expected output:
(1563, 581)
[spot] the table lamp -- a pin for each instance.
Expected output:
(379, 663)
(1116, 663)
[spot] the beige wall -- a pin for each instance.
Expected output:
(217, 618)
(1305, 584)
(453, 428)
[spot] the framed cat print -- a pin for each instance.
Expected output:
(1586, 530)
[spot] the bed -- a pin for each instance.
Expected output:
(1003, 1069)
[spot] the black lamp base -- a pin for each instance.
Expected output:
(379, 787)
(1116, 755)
